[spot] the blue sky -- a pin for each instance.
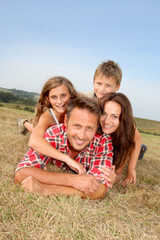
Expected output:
(40, 39)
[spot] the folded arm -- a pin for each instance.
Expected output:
(40, 145)
(51, 183)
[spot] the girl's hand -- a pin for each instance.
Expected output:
(108, 174)
(75, 166)
(131, 177)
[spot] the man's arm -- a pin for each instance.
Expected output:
(84, 183)
(32, 185)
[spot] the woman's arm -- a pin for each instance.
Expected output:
(131, 173)
(40, 145)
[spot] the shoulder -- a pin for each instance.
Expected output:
(102, 138)
(89, 94)
(100, 145)
(58, 129)
(100, 141)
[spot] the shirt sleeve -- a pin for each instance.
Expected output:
(103, 157)
(33, 159)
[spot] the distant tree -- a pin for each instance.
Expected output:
(8, 97)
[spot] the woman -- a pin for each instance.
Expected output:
(117, 119)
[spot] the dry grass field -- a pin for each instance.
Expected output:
(125, 213)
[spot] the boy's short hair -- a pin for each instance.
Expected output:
(109, 69)
(84, 103)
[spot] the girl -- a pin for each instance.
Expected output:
(51, 109)
(117, 119)
(52, 103)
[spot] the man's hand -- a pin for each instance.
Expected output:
(86, 183)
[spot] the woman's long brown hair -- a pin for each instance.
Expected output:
(123, 137)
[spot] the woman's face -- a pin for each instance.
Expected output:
(109, 119)
(58, 98)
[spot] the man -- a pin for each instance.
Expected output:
(76, 137)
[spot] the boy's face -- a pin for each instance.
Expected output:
(103, 85)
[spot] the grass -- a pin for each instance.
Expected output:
(148, 126)
(125, 213)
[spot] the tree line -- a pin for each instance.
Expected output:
(8, 97)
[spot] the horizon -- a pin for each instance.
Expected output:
(39, 94)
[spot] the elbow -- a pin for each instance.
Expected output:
(100, 193)
(31, 143)
(19, 176)
(138, 138)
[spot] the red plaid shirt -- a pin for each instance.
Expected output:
(99, 152)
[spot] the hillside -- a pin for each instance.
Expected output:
(11, 97)
(21, 93)
(148, 126)
(18, 97)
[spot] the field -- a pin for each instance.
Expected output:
(125, 213)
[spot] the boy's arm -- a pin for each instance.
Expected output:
(131, 174)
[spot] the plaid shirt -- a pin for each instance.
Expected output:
(99, 152)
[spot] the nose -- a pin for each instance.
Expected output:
(102, 88)
(107, 119)
(81, 134)
(59, 100)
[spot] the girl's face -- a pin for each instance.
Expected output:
(58, 98)
(109, 119)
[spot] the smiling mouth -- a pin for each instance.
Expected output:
(79, 142)
(101, 93)
(61, 106)
(107, 127)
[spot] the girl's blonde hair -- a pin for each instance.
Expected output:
(43, 104)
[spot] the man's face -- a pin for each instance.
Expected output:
(103, 85)
(81, 128)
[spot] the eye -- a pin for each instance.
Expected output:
(89, 128)
(77, 125)
(116, 117)
(53, 97)
(104, 113)
(98, 83)
(63, 95)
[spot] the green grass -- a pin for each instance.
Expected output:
(131, 213)
(148, 126)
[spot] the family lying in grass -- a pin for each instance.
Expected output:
(94, 135)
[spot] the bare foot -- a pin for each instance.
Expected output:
(32, 185)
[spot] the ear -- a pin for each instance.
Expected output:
(65, 120)
(47, 98)
(117, 88)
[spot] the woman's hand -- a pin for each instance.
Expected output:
(108, 174)
(131, 177)
(75, 166)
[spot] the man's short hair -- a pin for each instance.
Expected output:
(84, 103)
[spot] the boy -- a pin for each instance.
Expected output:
(107, 79)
